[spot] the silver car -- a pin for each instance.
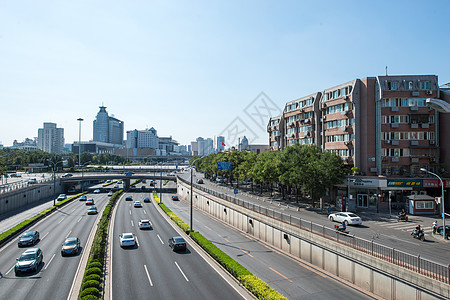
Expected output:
(345, 217)
(127, 240)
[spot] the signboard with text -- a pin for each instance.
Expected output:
(404, 182)
(223, 165)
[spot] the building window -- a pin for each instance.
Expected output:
(424, 204)
(425, 85)
(393, 85)
(409, 85)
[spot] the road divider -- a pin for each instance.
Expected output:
(254, 284)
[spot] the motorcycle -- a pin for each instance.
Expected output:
(340, 229)
(403, 218)
(418, 234)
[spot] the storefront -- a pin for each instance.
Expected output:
(360, 193)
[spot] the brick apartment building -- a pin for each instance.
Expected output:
(387, 126)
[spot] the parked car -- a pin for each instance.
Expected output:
(347, 217)
(175, 198)
(145, 224)
(32, 181)
(71, 246)
(90, 202)
(97, 191)
(61, 197)
(127, 240)
(29, 261)
(147, 200)
(219, 180)
(177, 243)
(128, 198)
(137, 204)
(83, 198)
(92, 210)
(28, 238)
(200, 181)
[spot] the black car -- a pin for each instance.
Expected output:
(177, 243)
(175, 198)
(71, 246)
(439, 230)
(29, 238)
(129, 198)
(200, 181)
(29, 261)
(143, 187)
(146, 199)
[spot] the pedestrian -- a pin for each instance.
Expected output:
(435, 225)
(329, 208)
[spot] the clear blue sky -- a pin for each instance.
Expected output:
(192, 68)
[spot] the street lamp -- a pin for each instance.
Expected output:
(54, 179)
(79, 142)
(442, 199)
(82, 174)
(191, 166)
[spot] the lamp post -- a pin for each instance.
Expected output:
(191, 165)
(442, 199)
(79, 142)
(54, 179)
(82, 175)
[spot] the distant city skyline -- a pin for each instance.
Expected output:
(184, 68)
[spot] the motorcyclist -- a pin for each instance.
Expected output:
(344, 226)
(402, 213)
(417, 230)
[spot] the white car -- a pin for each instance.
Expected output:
(127, 240)
(97, 191)
(61, 197)
(137, 204)
(145, 224)
(110, 193)
(347, 217)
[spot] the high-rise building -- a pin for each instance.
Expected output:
(384, 125)
(142, 139)
(220, 140)
(51, 138)
(107, 129)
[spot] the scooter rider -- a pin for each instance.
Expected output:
(344, 226)
(435, 225)
(417, 230)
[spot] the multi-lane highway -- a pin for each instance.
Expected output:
(152, 268)
(55, 275)
(292, 278)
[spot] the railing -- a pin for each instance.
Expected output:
(23, 184)
(412, 262)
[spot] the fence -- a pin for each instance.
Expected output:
(412, 262)
(23, 184)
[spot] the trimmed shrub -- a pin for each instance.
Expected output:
(93, 277)
(89, 297)
(90, 284)
(97, 271)
(90, 291)
(95, 264)
(259, 288)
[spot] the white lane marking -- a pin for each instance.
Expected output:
(45, 235)
(148, 275)
(160, 239)
(132, 223)
(130, 211)
(48, 264)
(137, 241)
(145, 212)
(61, 220)
(10, 270)
(181, 271)
(72, 210)
(68, 234)
(79, 219)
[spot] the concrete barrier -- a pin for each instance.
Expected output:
(19, 198)
(370, 273)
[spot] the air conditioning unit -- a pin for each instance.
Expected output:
(324, 117)
(432, 142)
(414, 192)
(387, 141)
(422, 192)
(428, 92)
(346, 142)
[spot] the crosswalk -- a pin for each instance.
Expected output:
(406, 226)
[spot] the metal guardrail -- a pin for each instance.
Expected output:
(411, 262)
(23, 184)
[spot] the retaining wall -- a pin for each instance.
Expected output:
(372, 274)
(16, 199)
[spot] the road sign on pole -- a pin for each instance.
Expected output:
(223, 165)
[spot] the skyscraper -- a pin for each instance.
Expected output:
(107, 129)
(50, 138)
(220, 143)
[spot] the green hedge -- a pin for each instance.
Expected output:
(95, 264)
(90, 284)
(185, 227)
(90, 291)
(95, 277)
(89, 297)
(95, 270)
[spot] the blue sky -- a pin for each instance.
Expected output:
(193, 68)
